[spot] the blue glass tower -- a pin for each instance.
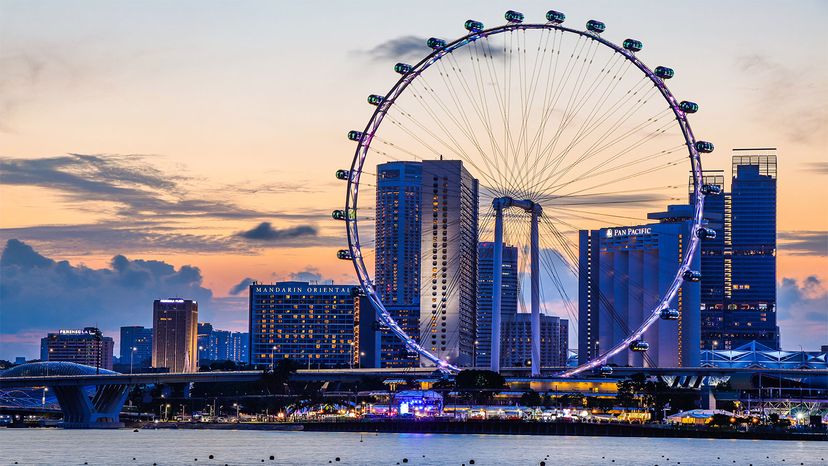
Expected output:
(509, 296)
(751, 311)
(397, 266)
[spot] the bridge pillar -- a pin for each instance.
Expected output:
(100, 411)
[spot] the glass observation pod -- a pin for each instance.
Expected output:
(711, 189)
(402, 68)
(691, 276)
(354, 135)
(514, 16)
(688, 107)
(596, 26)
(473, 26)
(435, 43)
(664, 73)
(669, 314)
(704, 147)
(375, 99)
(606, 370)
(342, 174)
(639, 346)
(338, 214)
(343, 254)
(555, 17)
(706, 233)
(633, 45)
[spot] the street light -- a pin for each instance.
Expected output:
(131, 354)
(361, 355)
(236, 405)
(351, 359)
(272, 350)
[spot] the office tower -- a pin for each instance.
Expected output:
(85, 346)
(509, 297)
(449, 261)
(397, 263)
(206, 351)
(623, 273)
(136, 346)
(517, 336)
(715, 265)
(174, 334)
(318, 326)
(751, 311)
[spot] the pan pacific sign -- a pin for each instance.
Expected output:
(629, 231)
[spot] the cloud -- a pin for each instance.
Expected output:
(820, 168)
(241, 286)
(265, 232)
(405, 47)
(39, 294)
(804, 243)
(800, 110)
(803, 312)
(311, 274)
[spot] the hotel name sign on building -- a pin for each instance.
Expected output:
(311, 289)
(629, 231)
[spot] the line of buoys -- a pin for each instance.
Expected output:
(272, 457)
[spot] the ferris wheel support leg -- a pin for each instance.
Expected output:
(497, 284)
(535, 292)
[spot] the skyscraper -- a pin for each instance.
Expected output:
(509, 297)
(174, 334)
(752, 309)
(623, 273)
(319, 326)
(136, 346)
(449, 260)
(397, 264)
(517, 337)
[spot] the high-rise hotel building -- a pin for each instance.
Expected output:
(485, 291)
(86, 346)
(738, 301)
(318, 326)
(623, 273)
(174, 334)
(397, 264)
(448, 271)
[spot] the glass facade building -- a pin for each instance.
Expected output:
(221, 345)
(397, 263)
(136, 346)
(516, 338)
(175, 334)
(623, 273)
(485, 289)
(318, 326)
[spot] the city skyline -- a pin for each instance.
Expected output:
(224, 194)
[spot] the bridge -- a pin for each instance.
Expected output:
(93, 398)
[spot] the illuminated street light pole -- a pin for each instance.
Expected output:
(132, 351)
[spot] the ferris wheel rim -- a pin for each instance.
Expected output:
(374, 123)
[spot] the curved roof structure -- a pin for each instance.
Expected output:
(40, 369)
(756, 355)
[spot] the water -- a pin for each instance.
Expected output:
(176, 447)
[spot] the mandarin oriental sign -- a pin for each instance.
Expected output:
(631, 231)
(313, 289)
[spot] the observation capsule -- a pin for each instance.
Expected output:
(338, 214)
(605, 370)
(669, 314)
(704, 147)
(688, 107)
(596, 26)
(514, 16)
(664, 73)
(639, 346)
(555, 17)
(435, 43)
(473, 26)
(354, 135)
(343, 174)
(402, 68)
(343, 254)
(691, 276)
(711, 189)
(706, 233)
(375, 99)
(633, 45)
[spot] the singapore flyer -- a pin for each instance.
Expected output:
(528, 138)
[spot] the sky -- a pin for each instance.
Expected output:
(152, 149)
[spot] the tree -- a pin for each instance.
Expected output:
(480, 385)
(531, 398)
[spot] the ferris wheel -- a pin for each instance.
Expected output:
(561, 131)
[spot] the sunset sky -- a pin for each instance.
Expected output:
(145, 143)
